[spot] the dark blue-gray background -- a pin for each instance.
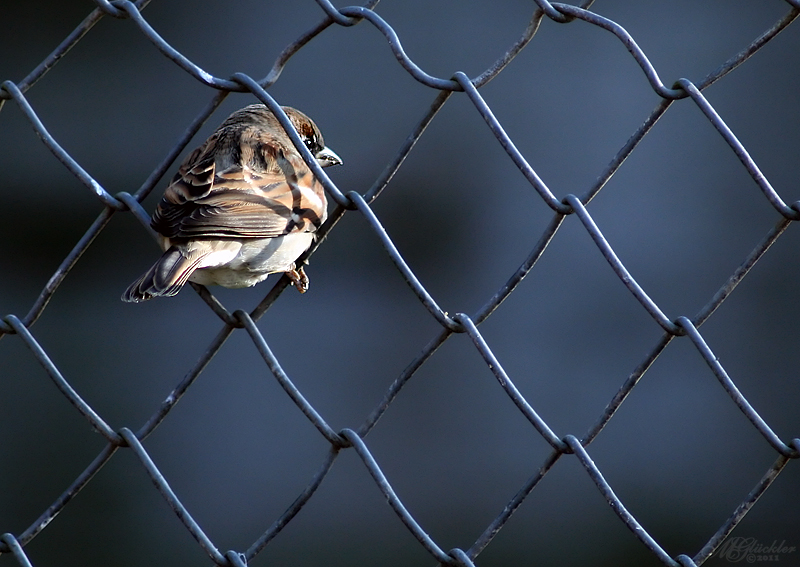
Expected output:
(681, 213)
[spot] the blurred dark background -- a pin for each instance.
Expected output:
(681, 213)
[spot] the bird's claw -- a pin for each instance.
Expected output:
(299, 279)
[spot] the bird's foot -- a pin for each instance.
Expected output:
(299, 279)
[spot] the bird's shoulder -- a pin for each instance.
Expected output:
(251, 160)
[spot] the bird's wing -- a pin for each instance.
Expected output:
(263, 194)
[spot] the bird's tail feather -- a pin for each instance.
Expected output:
(164, 279)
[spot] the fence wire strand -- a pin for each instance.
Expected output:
(568, 446)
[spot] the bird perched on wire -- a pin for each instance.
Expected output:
(242, 206)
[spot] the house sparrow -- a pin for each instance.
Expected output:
(242, 206)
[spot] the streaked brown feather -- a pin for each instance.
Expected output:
(249, 193)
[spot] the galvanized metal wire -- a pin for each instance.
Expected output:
(459, 84)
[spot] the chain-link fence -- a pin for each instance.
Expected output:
(556, 208)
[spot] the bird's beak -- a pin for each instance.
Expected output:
(327, 158)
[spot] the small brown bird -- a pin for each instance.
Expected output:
(242, 206)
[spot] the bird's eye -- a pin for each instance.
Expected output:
(312, 144)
